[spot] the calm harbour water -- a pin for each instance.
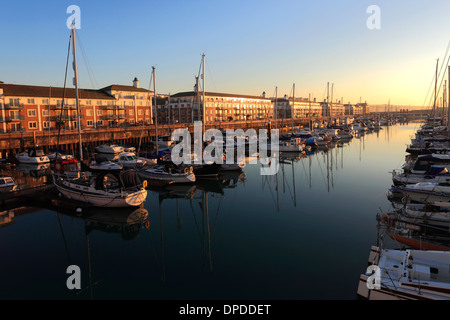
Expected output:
(304, 233)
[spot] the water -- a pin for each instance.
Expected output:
(304, 233)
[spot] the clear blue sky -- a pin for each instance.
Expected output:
(250, 46)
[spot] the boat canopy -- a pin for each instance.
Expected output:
(110, 180)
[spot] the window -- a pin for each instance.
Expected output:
(99, 103)
(99, 112)
(147, 112)
(46, 124)
(30, 101)
(32, 113)
(100, 123)
(89, 123)
(131, 112)
(14, 102)
(89, 112)
(44, 101)
(32, 124)
(45, 112)
(88, 102)
(140, 112)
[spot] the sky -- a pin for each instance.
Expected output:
(250, 46)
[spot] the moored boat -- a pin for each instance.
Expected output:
(118, 189)
(406, 275)
(32, 156)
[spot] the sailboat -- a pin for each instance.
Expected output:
(108, 189)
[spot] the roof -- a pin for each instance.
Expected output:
(119, 87)
(216, 94)
(19, 90)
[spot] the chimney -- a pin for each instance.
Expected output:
(264, 94)
(136, 83)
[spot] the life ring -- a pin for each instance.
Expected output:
(186, 170)
(144, 184)
(147, 224)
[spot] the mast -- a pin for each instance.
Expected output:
(203, 85)
(331, 104)
(435, 92)
(328, 99)
(156, 111)
(76, 90)
(310, 123)
(275, 108)
(448, 104)
(293, 102)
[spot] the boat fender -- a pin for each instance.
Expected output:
(144, 184)
(191, 169)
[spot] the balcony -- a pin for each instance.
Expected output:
(14, 118)
(14, 106)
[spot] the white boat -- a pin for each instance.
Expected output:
(130, 160)
(109, 149)
(292, 145)
(435, 174)
(61, 155)
(32, 156)
(7, 184)
(108, 189)
(161, 174)
(406, 275)
(111, 190)
(105, 166)
(427, 191)
(165, 142)
(435, 214)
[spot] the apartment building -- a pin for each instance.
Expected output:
(45, 108)
(186, 107)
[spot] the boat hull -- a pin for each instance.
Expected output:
(98, 200)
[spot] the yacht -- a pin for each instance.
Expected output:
(406, 275)
(109, 149)
(32, 156)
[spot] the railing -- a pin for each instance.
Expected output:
(14, 118)
(14, 106)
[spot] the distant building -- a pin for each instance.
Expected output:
(303, 108)
(186, 107)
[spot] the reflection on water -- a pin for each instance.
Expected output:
(242, 236)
